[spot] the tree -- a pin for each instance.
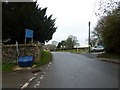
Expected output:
(108, 30)
(59, 45)
(18, 16)
(106, 6)
(55, 43)
(50, 47)
(111, 32)
(93, 41)
(70, 42)
(97, 37)
(63, 44)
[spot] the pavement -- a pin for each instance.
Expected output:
(94, 55)
(70, 70)
(15, 79)
(18, 78)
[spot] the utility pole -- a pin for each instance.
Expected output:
(89, 37)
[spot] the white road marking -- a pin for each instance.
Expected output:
(25, 85)
(34, 86)
(36, 74)
(38, 82)
(41, 78)
(42, 75)
(31, 79)
(48, 65)
(44, 72)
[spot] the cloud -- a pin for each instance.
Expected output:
(72, 17)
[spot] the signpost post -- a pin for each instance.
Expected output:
(17, 50)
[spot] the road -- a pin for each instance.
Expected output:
(70, 70)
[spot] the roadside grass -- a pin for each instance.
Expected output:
(8, 66)
(0, 67)
(73, 51)
(78, 51)
(109, 56)
(46, 57)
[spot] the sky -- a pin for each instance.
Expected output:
(72, 17)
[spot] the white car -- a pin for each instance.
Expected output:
(97, 48)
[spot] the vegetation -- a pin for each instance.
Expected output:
(18, 16)
(107, 30)
(73, 50)
(106, 6)
(110, 56)
(8, 66)
(69, 43)
(46, 57)
(0, 67)
(50, 47)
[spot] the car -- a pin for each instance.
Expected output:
(97, 48)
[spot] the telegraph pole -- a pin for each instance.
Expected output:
(89, 37)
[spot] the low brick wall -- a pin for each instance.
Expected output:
(9, 52)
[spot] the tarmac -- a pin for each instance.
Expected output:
(17, 78)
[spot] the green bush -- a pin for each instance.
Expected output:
(46, 57)
(8, 66)
(111, 34)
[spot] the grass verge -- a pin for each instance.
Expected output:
(78, 51)
(7, 67)
(46, 57)
(73, 51)
(109, 56)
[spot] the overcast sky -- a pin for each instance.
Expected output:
(72, 17)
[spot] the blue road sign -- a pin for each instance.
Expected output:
(29, 33)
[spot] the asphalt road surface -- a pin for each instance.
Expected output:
(70, 70)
